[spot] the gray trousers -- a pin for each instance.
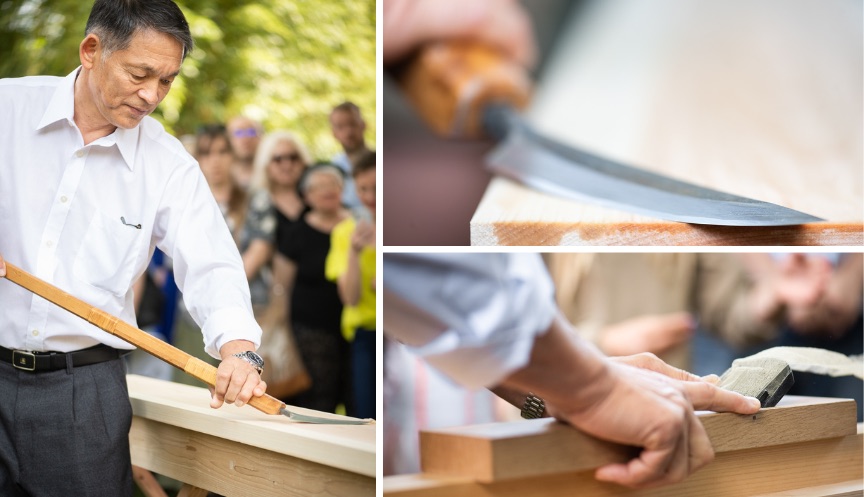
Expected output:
(66, 432)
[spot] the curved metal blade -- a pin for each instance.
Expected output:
(302, 418)
(547, 165)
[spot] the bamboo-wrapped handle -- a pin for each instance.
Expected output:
(450, 83)
(113, 325)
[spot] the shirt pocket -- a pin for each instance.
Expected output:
(107, 254)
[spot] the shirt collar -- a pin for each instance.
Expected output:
(62, 106)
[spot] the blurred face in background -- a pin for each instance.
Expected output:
(323, 190)
(365, 183)
(348, 128)
(215, 157)
(286, 165)
(245, 135)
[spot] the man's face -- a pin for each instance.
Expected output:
(129, 84)
(348, 128)
(365, 183)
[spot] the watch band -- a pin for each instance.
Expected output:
(534, 407)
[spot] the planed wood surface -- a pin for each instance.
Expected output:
(743, 473)
(757, 99)
(520, 449)
(852, 488)
(350, 448)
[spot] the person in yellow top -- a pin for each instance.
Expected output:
(351, 264)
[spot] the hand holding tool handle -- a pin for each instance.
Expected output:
(451, 83)
(168, 353)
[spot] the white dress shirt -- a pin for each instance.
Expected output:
(473, 316)
(87, 219)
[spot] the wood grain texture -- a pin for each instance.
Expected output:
(740, 473)
(760, 100)
(345, 447)
(190, 491)
(852, 488)
(235, 469)
(522, 449)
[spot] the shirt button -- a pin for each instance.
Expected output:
(49, 244)
(79, 153)
(63, 199)
(35, 333)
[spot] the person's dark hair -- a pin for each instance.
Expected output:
(116, 21)
(365, 163)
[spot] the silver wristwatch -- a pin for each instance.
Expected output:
(534, 407)
(252, 358)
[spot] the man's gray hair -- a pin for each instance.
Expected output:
(116, 21)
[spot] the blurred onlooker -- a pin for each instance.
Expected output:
(348, 128)
(279, 163)
(630, 303)
(825, 312)
(245, 134)
(351, 263)
(310, 302)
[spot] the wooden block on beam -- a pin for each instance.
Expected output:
(740, 473)
(521, 449)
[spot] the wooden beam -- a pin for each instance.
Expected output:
(520, 449)
(351, 448)
(852, 488)
(741, 473)
(240, 451)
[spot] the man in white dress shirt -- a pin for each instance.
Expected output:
(89, 186)
(491, 320)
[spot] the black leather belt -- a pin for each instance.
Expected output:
(52, 361)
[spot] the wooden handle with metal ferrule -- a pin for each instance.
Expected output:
(113, 325)
(450, 83)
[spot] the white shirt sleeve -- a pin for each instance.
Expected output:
(473, 316)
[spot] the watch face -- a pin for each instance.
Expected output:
(255, 358)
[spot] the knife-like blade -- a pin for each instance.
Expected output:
(553, 167)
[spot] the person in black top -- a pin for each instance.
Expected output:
(314, 308)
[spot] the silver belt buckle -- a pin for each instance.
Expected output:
(24, 360)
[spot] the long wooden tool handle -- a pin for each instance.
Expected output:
(113, 325)
(450, 83)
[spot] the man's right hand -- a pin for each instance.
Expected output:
(651, 406)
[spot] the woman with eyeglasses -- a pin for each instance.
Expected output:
(279, 162)
(311, 302)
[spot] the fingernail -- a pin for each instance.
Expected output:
(711, 378)
(754, 402)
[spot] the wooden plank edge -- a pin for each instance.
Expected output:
(520, 449)
(741, 473)
(533, 233)
(851, 488)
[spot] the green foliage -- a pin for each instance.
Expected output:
(283, 62)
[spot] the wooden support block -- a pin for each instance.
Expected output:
(723, 94)
(741, 473)
(241, 451)
(190, 491)
(520, 449)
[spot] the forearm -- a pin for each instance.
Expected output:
(256, 256)
(564, 370)
(235, 346)
(349, 282)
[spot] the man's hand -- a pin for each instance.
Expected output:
(639, 401)
(500, 23)
(363, 236)
(644, 402)
(236, 380)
